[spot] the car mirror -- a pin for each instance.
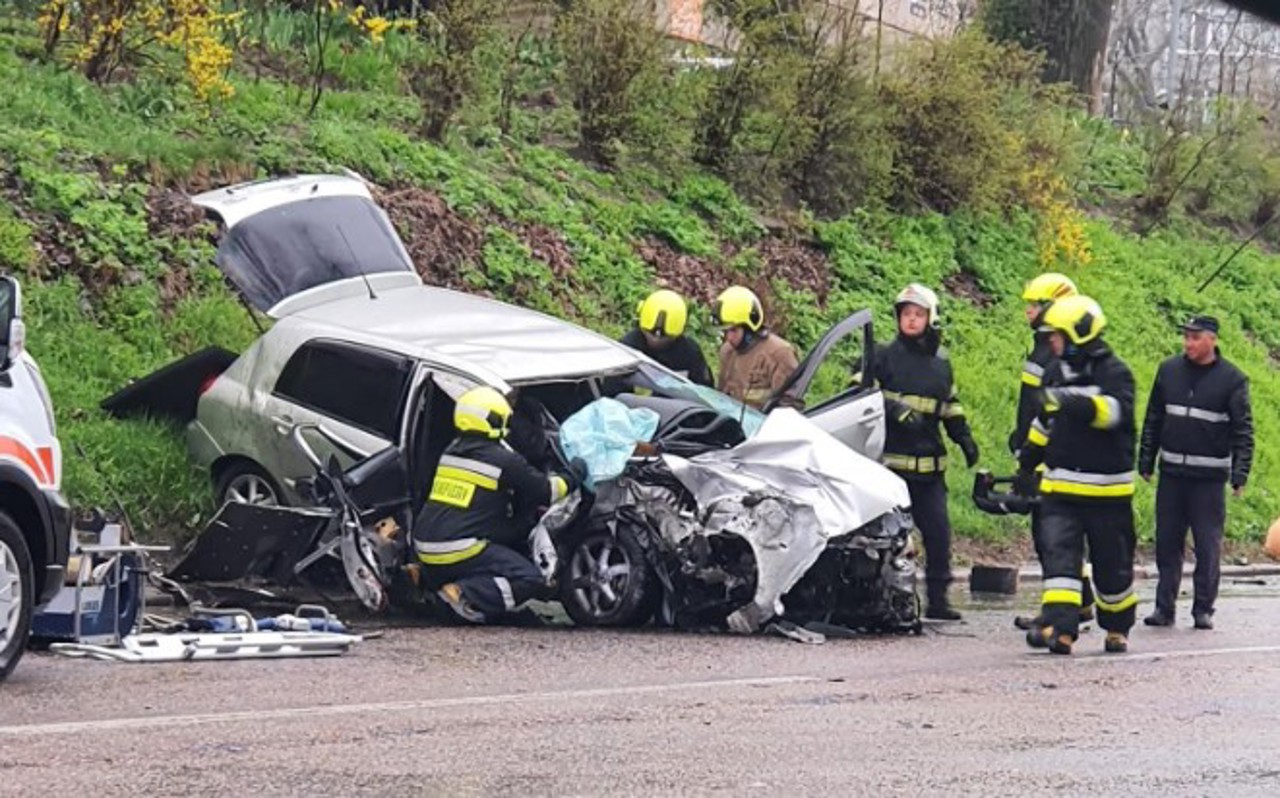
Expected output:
(13, 333)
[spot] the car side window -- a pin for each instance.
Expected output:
(361, 387)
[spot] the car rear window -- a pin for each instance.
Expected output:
(361, 387)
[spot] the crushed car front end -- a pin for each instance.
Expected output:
(789, 524)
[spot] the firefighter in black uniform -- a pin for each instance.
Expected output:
(1200, 424)
(659, 333)
(1038, 295)
(474, 528)
(1084, 436)
(919, 391)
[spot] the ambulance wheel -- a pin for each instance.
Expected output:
(17, 587)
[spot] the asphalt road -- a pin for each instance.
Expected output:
(964, 709)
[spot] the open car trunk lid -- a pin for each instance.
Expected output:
(300, 241)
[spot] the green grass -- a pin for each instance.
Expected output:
(80, 160)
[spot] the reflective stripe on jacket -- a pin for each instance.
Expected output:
(919, 396)
(482, 490)
(1085, 437)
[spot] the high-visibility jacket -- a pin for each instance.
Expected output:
(482, 491)
(1199, 422)
(1085, 433)
(919, 390)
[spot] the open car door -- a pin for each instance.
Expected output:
(852, 412)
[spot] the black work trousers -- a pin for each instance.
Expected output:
(495, 582)
(1087, 594)
(1106, 526)
(929, 510)
(1200, 504)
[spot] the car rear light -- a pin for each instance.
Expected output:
(208, 383)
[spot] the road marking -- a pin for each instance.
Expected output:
(1202, 652)
(1154, 656)
(169, 721)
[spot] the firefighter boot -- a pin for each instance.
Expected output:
(942, 612)
(940, 608)
(1047, 637)
(1028, 622)
(451, 594)
(1117, 643)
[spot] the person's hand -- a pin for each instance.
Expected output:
(1146, 477)
(970, 449)
(1237, 491)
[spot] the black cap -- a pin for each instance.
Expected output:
(1202, 324)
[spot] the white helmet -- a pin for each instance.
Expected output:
(921, 296)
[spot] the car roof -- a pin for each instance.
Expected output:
(515, 344)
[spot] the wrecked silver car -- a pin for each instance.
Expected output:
(739, 517)
(787, 524)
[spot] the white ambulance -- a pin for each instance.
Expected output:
(35, 521)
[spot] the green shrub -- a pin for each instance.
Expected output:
(613, 55)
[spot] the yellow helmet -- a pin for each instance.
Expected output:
(738, 306)
(1049, 287)
(483, 411)
(1078, 317)
(663, 313)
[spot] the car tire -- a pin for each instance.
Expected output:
(246, 482)
(17, 594)
(592, 596)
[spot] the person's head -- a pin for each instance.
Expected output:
(917, 311)
(1074, 322)
(1042, 291)
(482, 412)
(738, 313)
(661, 318)
(1200, 339)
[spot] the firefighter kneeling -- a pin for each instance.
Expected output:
(1084, 435)
(477, 519)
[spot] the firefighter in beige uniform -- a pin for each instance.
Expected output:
(754, 363)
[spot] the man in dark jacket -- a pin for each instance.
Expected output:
(920, 393)
(1084, 436)
(1200, 425)
(659, 333)
(472, 536)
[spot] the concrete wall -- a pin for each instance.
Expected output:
(689, 20)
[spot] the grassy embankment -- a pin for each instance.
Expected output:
(119, 281)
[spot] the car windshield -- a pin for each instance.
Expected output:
(665, 383)
(285, 250)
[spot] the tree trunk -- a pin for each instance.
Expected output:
(1071, 33)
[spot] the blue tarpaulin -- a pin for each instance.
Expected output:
(604, 434)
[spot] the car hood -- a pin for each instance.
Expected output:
(788, 490)
(293, 242)
(791, 455)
